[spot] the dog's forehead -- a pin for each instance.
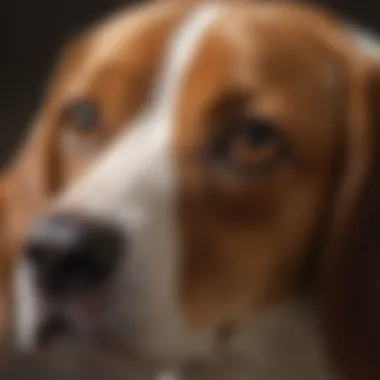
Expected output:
(242, 47)
(128, 43)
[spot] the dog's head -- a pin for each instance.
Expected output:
(213, 163)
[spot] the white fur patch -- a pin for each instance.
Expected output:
(27, 308)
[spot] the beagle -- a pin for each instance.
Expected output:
(202, 181)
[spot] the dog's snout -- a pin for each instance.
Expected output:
(72, 255)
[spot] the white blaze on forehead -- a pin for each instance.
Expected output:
(181, 54)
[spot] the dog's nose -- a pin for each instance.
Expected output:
(72, 254)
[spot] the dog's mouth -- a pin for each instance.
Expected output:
(56, 328)
(60, 328)
(58, 337)
(77, 319)
(60, 333)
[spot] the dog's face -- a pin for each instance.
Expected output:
(199, 152)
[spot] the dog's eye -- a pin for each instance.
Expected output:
(249, 145)
(257, 133)
(83, 115)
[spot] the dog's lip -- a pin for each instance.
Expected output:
(87, 323)
(58, 334)
(106, 350)
(70, 324)
(55, 327)
(85, 330)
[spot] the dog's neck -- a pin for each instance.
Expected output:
(288, 344)
(285, 343)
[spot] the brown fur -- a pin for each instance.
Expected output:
(349, 286)
(258, 228)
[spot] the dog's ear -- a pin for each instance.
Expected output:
(351, 276)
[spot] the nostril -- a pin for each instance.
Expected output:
(71, 275)
(52, 327)
(49, 237)
(74, 267)
(77, 273)
(74, 255)
(35, 254)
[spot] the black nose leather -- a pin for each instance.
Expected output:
(72, 255)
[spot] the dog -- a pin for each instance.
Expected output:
(201, 181)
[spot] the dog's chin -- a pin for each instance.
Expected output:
(58, 334)
(66, 346)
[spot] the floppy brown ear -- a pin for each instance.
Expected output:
(351, 279)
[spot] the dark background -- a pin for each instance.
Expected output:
(34, 31)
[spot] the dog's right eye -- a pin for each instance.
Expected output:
(83, 115)
(249, 145)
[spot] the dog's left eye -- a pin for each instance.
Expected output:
(255, 145)
(249, 145)
(257, 133)
(83, 115)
